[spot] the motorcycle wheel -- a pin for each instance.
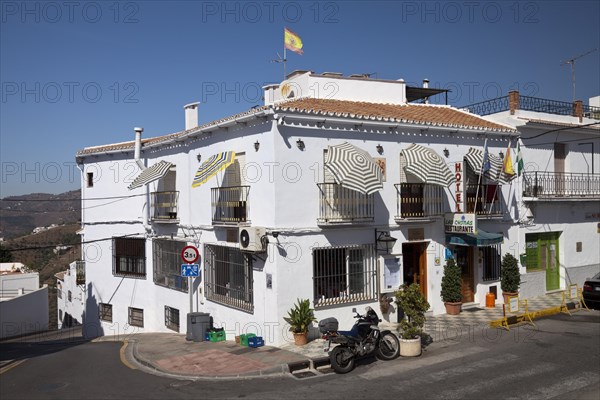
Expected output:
(388, 347)
(342, 359)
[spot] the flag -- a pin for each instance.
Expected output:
(507, 166)
(519, 160)
(292, 41)
(486, 166)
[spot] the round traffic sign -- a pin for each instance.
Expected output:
(190, 254)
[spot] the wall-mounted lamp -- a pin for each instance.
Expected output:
(379, 149)
(300, 144)
(446, 153)
(199, 157)
(256, 145)
(501, 154)
(383, 241)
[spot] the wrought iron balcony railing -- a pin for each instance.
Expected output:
(80, 271)
(164, 206)
(230, 204)
(340, 205)
(419, 200)
(485, 201)
(561, 185)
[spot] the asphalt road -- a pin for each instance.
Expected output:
(559, 358)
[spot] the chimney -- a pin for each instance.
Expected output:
(138, 147)
(426, 85)
(191, 115)
(513, 101)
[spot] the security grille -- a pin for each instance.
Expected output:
(105, 312)
(491, 263)
(129, 257)
(229, 277)
(136, 317)
(172, 318)
(167, 264)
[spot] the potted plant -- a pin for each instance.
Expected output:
(451, 287)
(300, 317)
(510, 277)
(414, 304)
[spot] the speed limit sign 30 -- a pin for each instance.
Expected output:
(190, 254)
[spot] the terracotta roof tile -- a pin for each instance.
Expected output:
(436, 115)
(421, 114)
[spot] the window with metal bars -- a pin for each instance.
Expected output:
(344, 275)
(129, 257)
(167, 264)
(136, 317)
(491, 263)
(229, 277)
(172, 318)
(105, 312)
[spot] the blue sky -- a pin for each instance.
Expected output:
(84, 73)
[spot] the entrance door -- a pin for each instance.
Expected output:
(464, 259)
(414, 257)
(549, 258)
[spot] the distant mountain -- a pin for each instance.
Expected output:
(20, 215)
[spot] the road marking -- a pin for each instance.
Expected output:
(11, 365)
(568, 384)
(414, 363)
(123, 357)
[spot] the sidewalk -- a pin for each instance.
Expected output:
(171, 354)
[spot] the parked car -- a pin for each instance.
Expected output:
(591, 291)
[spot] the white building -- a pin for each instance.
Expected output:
(23, 304)
(70, 295)
(559, 207)
(325, 242)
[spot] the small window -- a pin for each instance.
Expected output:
(129, 257)
(60, 316)
(69, 295)
(59, 291)
(136, 317)
(172, 318)
(90, 179)
(105, 312)
(491, 263)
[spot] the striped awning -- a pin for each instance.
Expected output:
(151, 174)
(474, 158)
(212, 166)
(427, 165)
(354, 168)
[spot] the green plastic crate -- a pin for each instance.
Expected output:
(217, 336)
(244, 339)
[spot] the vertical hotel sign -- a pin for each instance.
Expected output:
(460, 198)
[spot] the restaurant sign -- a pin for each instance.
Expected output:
(460, 223)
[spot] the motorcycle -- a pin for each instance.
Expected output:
(363, 339)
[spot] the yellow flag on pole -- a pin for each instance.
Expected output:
(508, 165)
(292, 41)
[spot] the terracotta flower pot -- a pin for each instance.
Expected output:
(300, 339)
(453, 308)
(506, 295)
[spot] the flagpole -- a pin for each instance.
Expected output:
(284, 60)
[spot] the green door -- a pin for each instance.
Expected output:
(542, 254)
(552, 264)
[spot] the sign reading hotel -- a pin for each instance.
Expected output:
(458, 175)
(460, 223)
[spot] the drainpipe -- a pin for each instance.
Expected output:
(137, 152)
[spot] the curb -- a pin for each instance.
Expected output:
(278, 370)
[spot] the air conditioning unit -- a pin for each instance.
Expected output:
(252, 239)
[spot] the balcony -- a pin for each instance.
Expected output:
(338, 205)
(419, 201)
(561, 185)
(80, 272)
(164, 206)
(487, 199)
(229, 205)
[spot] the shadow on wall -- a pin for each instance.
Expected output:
(92, 327)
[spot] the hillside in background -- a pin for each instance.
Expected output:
(19, 215)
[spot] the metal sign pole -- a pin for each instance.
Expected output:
(190, 289)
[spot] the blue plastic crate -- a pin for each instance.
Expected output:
(207, 336)
(256, 341)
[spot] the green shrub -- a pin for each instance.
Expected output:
(510, 277)
(414, 304)
(300, 316)
(451, 282)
